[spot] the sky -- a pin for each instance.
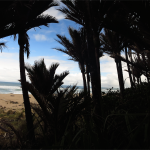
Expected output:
(42, 41)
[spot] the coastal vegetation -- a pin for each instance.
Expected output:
(65, 118)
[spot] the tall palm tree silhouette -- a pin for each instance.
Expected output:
(88, 14)
(113, 44)
(29, 15)
(129, 68)
(141, 61)
(75, 49)
(57, 105)
(44, 80)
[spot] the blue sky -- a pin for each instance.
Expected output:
(41, 43)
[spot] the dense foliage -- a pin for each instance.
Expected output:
(124, 123)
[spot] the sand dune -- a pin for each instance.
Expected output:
(13, 101)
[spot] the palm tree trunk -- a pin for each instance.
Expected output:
(132, 66)
(120, 76)
(138, 55)
(28, 114)
(140, 61)
(84, 82)
(138, 81)
(143, 57)
(96, 44)
(94, 78)
(84, 79)
(88, 79)
(93, 65)
(129, 71)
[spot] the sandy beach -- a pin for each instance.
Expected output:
(13, 102)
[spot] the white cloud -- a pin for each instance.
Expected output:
(108, 68)
(9, 70)
(43, 31)
(40, 37)
(65, 55)
(4, 56)
(107, 64)
(3, 40)
(9, 67)
(72, 79)
(46, 31)
(62, 28)
(12, 48)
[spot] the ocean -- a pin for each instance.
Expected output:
(15, 88)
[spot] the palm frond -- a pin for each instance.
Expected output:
(74, 10)
(76, 48)
(40, 99)
(29, 11)
(38, 75)
(27, 45)
(43, 79)
(62, 50)
(39, 7)
(58, 81)
(65, 42)
(2, 45)
(41, 20)
(111, 42)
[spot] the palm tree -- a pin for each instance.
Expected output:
(74, 49)
(85, 55)
(129, 20)
(79, 12)
(44, 83)
(137, 65)
(57, 105)
(130, 55)
(142, 61)
(29, 12)
(136, 71)
(9, 17)
(43, 79)
(113, 44)
(145, 63)
(7, 14)
(131, 82)
(146, 59)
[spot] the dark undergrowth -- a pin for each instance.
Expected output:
(124, 124)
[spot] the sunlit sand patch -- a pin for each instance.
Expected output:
(13, 101)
